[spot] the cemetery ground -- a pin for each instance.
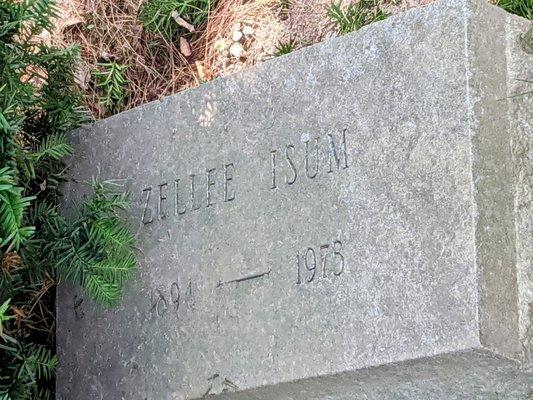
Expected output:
(136, 51)
(127, 53)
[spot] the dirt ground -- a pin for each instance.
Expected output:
(307, 22)
(238, 34)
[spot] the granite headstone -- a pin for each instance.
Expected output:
(360, 202)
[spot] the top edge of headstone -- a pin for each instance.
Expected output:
(458, 9)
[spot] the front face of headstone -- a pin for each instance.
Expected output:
(311, 216)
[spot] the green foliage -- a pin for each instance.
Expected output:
(94, 249)
(39, 363)
(285, 48)
(27, 366)
(3, 316)
(26, 18)
(160, 15)
(12, 208)
(39, 104)
(355, 16)
(112, 85)
(524, 8)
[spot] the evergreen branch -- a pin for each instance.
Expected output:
(53, 146)
(100, 290)
(92, 248)
(12, 207)
(39, 363)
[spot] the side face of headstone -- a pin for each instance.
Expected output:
(314, 215)
(492, 171)
(520, 60)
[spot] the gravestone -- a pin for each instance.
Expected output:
(352, 220)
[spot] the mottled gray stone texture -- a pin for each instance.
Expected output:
(520, 75)
(360, 202)
(469, 375)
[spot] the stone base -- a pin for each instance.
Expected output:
(475, 374)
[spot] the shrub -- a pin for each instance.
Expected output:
(39, 104)
(112, 85)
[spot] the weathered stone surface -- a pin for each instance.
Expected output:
(473, 374)
(412, 216)
(521, 127)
